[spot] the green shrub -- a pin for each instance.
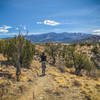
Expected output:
(52, 50)
(18, 50)
(79, 61)
(83, 62)
(95, 50)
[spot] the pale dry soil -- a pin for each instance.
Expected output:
(53, 86)
(47, 88)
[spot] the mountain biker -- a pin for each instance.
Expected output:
(43, 60)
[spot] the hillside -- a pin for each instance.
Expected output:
(91, 39)
(64, 37)
(54, 86)
(71, 71)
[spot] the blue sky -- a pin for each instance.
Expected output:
(42, 16)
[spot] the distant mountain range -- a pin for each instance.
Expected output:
(64, 37)
(57, 37)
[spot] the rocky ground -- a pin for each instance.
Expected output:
(55, 85)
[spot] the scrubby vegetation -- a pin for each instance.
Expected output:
(69, 66)
(69, 55)
(52, 50)
(19, 52)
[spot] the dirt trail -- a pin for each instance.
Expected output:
(37, 91)
(55, 85)
(46, 88)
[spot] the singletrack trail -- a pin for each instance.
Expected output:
(46, 88)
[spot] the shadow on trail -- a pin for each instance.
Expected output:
(5, 74)
(42, 75)
(6, 63)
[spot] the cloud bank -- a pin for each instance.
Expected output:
(4, 28)
(97, 32)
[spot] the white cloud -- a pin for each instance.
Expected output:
(3, 30)
(96, 32)
(49, 22)
(7, 27)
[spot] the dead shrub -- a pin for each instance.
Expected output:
(61, 67)
(77, 83)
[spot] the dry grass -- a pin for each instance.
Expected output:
(89, 87)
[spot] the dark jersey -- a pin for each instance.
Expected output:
(43, 58)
